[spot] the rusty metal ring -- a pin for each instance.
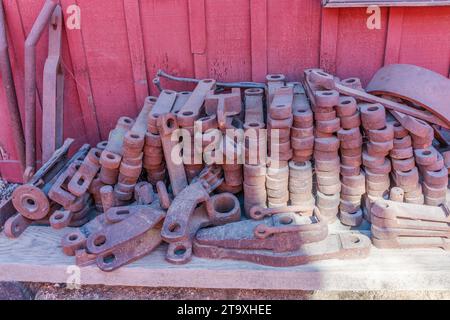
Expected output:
(110, 160)
(31, 202)
(346, 107)
(350, 122)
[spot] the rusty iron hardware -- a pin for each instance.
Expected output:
(280, 233)
(35, 34)
(182, 98)
(274, 82)
(329, 82)
(218, 210)
(254, 109)
(30, 199)
(43, 175)
(243, 85)
(10, 91)
(176, 223)
(76, 239)
(120, 236)
(387, 233)
(130, 251)
(419, 86)
(143, 193)
(168, 126)
(139, 220)
(53, 90)
(59, 192)
(386, 209)
(79, 213)
(412, 243)
(335, 246)
(33, 203)
(193, 108)
(111, 157)
(163, 105)
(224, 106)
(87, 171)
(17, 223)
(258, 212)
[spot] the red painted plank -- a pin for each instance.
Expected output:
(79, 91)
(394, 36)
(426, 38)
(165, 27)
(360, 51)
(228, 40)
(328, 39)
(197, 33)
(136, 46)
(258, 20)
(293, 36)
(10, 167)
(108, 61)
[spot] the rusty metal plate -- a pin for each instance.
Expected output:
(386, 209)
(341, 246)
(279, 233)
(219, 210)
(412, 243)
(421, 86)
(139, 220)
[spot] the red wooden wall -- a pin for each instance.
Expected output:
(111, 61)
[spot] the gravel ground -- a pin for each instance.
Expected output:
(46, 291)
(6, 190)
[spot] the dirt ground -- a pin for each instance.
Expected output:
(46, 291)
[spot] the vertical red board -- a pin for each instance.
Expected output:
(228, 40)
(108, 60)
(360, 50)
(293, 36)
(426, 38)
(165, 28)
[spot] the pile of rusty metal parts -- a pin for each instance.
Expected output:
(295, 156)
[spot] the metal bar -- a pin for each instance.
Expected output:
(30, 84)
(245, 85)
(53, 91)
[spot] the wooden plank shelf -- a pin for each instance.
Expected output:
(37, 257)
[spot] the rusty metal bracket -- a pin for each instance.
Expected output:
(31, 200)
(176, 224)
(53, 90)
(139, 219)
(329, 82)
(30, 84)
(335, 246)
(219, 210)
(281, 233)
(44, 174)
(169, 131)
(224, 106)
(420, 86)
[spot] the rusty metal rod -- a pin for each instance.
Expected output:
(245, 85)
(10, 91)
(39, 26)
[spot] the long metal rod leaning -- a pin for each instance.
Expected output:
(39, 26)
